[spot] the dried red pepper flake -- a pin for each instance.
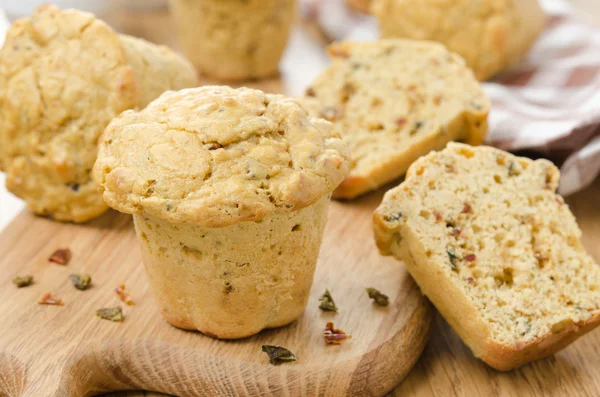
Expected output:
(456, 232)
(333, 335)
(467, 209)
(49, 299)
(124, 295)
(438, 216)
(470, 257)
(61, 256)
(400, 121)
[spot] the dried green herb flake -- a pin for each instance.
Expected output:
(393, 217)
(378, 297)
(326, 302)
(513, 170)
(81, 281)
(278, 354)
(110, 313)
(23, 281)
(453, 259)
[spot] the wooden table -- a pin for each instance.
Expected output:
(573, 372)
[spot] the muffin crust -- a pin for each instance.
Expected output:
(247, 154)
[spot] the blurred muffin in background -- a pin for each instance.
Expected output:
(490, 35)
(64, 75)
(234, 40)
(102, 9)
(360, 5)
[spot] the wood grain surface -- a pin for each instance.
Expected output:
(67, 351)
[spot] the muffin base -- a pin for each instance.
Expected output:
(234, 281)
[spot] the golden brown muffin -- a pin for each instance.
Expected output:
(495, 249)
(63, 76)
(234, 40)
(360, 5)
(491, 35)
(395, 100)
(229, 190)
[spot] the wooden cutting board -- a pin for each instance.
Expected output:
(68, 351)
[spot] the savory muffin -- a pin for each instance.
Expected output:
(63, 76)
(394, 101)
(229, 189)
(234, 40)
(495, 249)
(490, 35)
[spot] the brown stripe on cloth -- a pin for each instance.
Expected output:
(567, 52)
(555, 21)
(582, 75)
(580, 170)
(567, 114)
(574, 141)
(558, 150)
(516, 79)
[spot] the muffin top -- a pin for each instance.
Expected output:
(216, 156)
